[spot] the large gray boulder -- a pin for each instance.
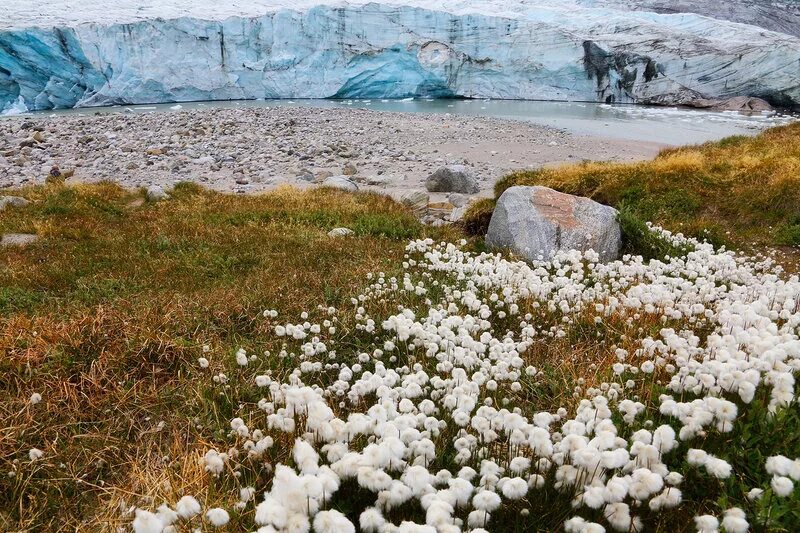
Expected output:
(452, 178)
(537, 222)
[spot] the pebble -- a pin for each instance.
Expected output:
(340, 232)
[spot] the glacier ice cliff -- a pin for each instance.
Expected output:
(390, 51)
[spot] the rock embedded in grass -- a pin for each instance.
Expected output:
(13, 201)
(156, 193)
(452, 178)
(340, 232)
(18, 239)
(536, 222)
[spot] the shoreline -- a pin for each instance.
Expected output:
(248, 150)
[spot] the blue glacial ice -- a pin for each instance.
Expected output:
(383, 51)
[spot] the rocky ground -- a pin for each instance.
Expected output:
(251, 150)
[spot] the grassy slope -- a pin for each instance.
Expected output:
(107, 314)
(739, 191)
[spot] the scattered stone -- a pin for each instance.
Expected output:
(322, 175)
(18, 239)
(417, 200)
(13, 201)
(458, 213)
(452, 178)
(242, 180)
(431, 220)
(154, 151)
(458, 199)
(156, 193)
(340, 182)
(340, 232)
(349, 169)
(55, 176)
(537, 221)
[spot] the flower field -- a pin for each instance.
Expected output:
(419, 406)
(218, 363)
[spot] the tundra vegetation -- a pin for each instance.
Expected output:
(218, 362)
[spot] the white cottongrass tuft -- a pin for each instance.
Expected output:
(217, 516)
(188, 507)
(147, 522)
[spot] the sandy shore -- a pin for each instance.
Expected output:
(251, 150)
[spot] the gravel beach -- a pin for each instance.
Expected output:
(255, 149)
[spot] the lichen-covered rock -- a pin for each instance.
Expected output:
(452, 178)
(536, 222)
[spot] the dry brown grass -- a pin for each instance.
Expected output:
(107, 314)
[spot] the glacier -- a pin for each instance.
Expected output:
(545, 51)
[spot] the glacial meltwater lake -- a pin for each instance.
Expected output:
(662, 125)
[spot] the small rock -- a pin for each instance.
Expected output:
(322, 175)
(243, 180)
(458, 199)
(18, 239)
(156, 193)
(458, 213)
(155, 151)
(349, 169)
(13, 201)
(452, 178)
(340, 232)
(340, 182)
(416, 200)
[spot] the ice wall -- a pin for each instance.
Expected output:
(383, 51)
